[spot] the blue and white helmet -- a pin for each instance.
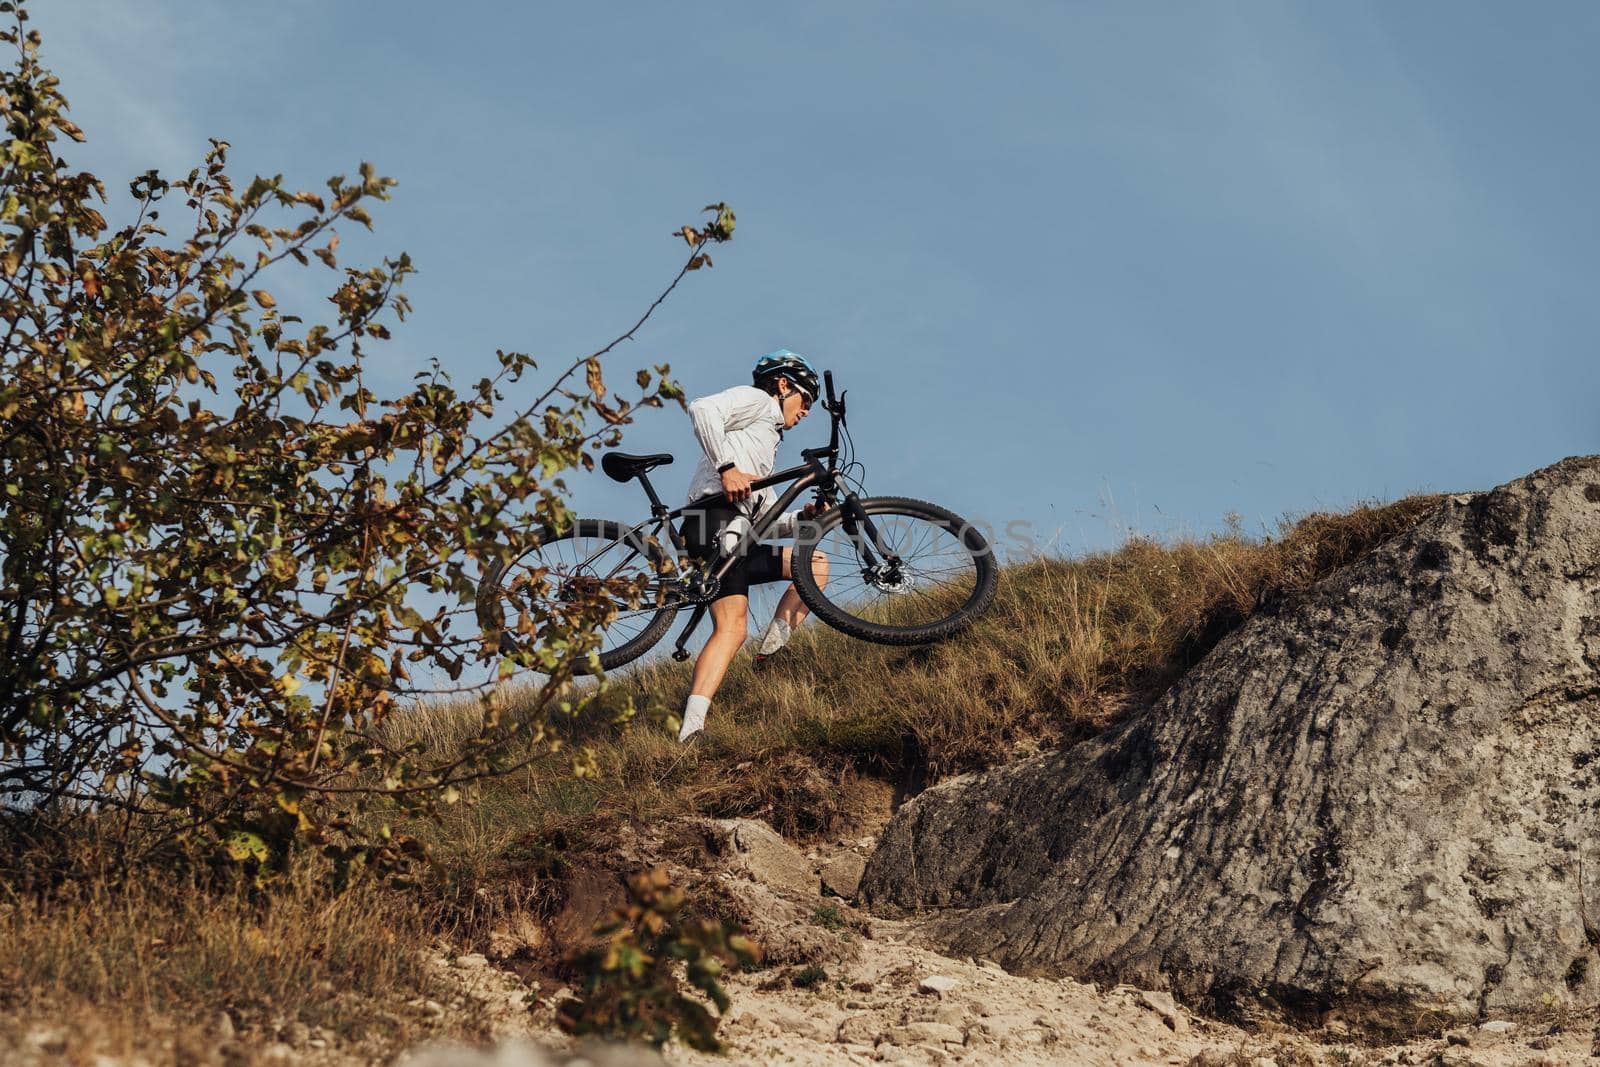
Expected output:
(791, 365)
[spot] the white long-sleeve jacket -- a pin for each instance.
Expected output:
(742, 426)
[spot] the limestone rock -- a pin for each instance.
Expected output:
(1374, 792)
(766, 857)
(841, 875)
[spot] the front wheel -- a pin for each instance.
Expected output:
(898, 571)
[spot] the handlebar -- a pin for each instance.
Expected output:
(835, 408)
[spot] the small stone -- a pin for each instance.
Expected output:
(295, 1034)
(859, 1030)
(519, 934)
(938, 983)
(1497, 1026)
(433, 1009)
(51, 1042)
(222, 1027)
(861, 987)
(472, 961)
(951, 1014)
(1458, 1037)
(1163, 1005)
(935, 1034)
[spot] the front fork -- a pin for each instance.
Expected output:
(858, 525)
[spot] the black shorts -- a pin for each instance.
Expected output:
(763, 563)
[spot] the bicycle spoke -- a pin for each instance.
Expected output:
(931, 575)
(574, 572)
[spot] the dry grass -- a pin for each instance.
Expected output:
(161, 946)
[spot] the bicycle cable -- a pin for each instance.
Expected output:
(854, 472)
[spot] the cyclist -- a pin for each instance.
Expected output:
(739, 430)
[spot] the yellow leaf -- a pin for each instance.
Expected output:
(242, 845)
(264, 298)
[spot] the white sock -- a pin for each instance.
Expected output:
(694, 716)
(777, 637)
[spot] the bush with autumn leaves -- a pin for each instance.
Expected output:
(224, 554)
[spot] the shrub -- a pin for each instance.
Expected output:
(633, 990)
(221, 553)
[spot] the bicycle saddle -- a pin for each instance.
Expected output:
(621, 467)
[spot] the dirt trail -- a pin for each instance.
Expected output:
(879, 1005)
(876, 1005)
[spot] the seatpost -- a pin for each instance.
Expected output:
(656, 506)
(658, 510)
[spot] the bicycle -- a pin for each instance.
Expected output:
(883, 584)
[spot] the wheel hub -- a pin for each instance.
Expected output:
(887, 578)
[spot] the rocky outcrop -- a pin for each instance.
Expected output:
(1377, 795)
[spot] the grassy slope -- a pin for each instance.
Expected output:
(1068, 646)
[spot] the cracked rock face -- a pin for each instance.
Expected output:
(1375, 796)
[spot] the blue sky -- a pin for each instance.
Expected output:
(1091, 267)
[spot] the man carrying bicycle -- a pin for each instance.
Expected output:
(739, 430)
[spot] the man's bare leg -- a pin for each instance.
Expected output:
(791, 609)
(728, 617)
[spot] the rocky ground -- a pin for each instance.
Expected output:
(843, 987)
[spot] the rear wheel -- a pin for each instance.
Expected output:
(899, 571)
(594, 556)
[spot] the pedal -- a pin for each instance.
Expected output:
(680, 654)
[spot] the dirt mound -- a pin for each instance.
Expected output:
(1376, 794)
